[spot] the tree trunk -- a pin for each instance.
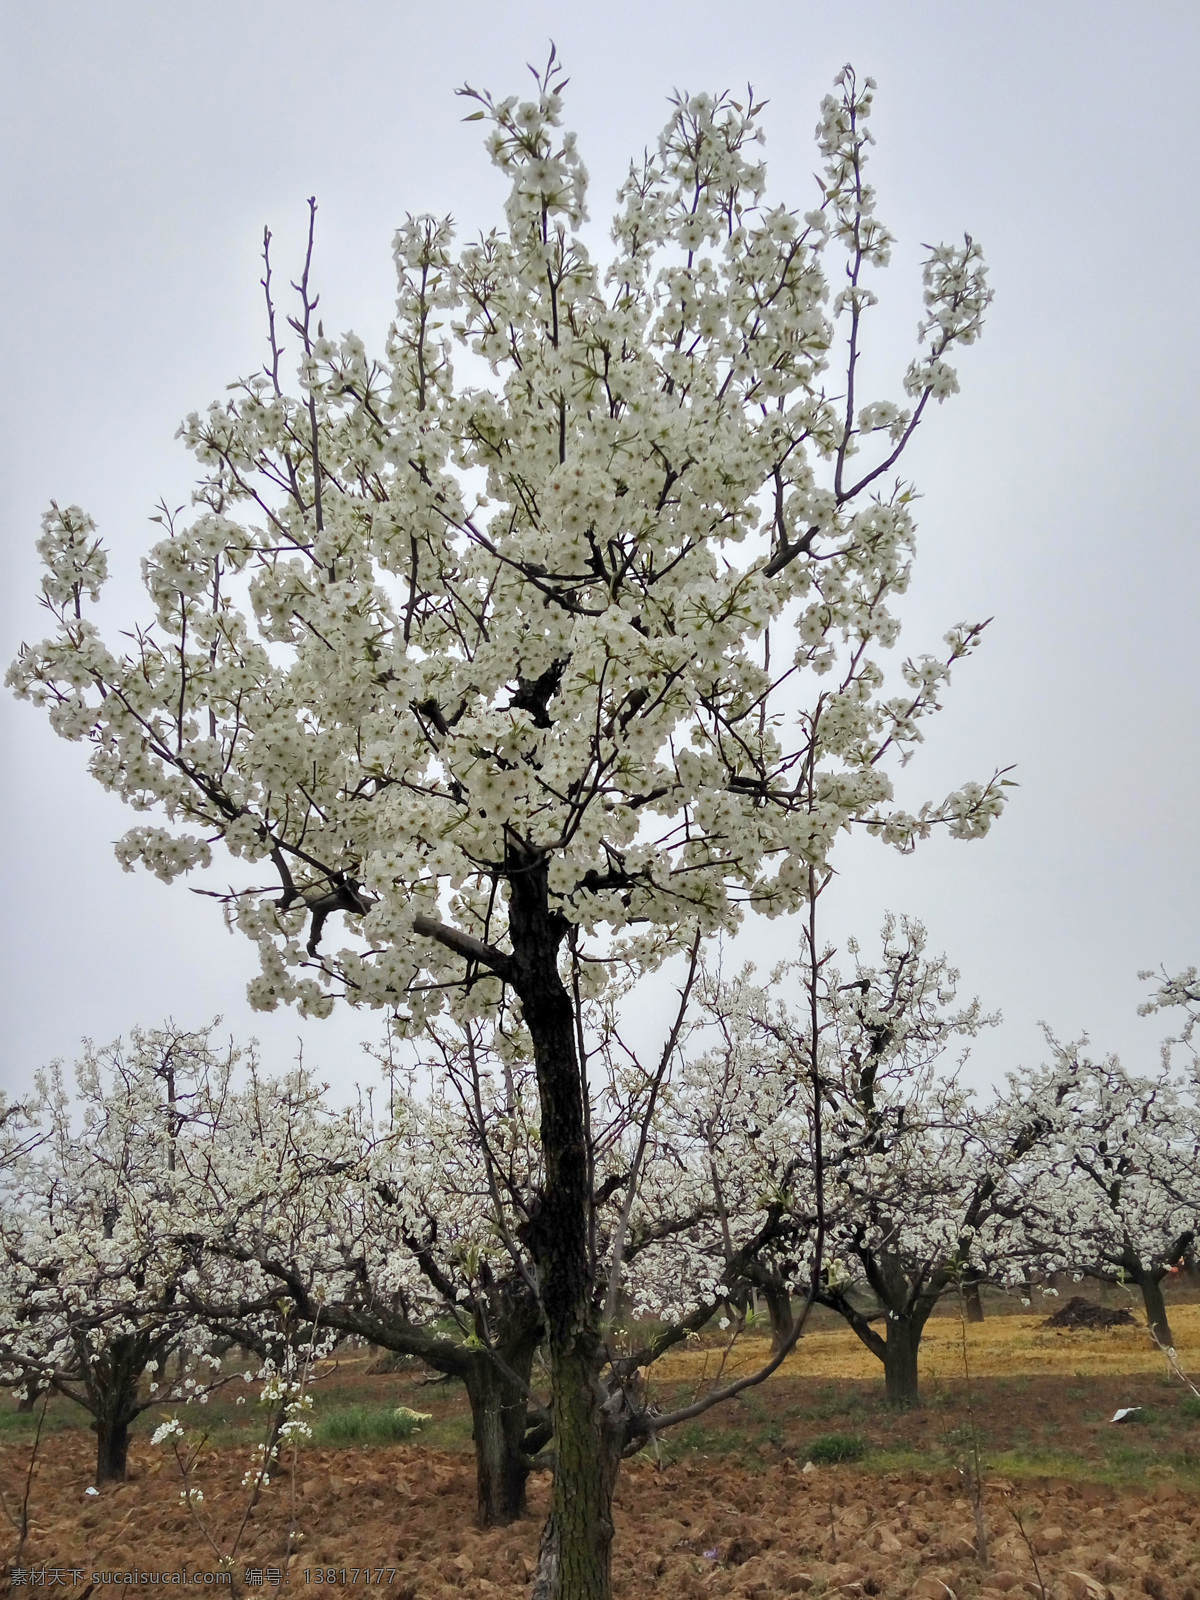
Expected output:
(498, 1416)
(1156, 1310)
(779, 1307)
(973, 1300)
(900, 1360)
(112, 1446)
(575, 1558)
(111, 1383)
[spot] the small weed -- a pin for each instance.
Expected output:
(1189, 1406)
(829, 1448)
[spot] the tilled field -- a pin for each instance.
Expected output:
(692, 1528)
(729, 1509)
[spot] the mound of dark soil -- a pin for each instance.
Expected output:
(1081, 1313)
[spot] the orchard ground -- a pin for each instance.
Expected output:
(727, 1509)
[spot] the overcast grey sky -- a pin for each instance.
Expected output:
(146, 144)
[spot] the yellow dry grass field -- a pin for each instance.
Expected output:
(1001, 1347)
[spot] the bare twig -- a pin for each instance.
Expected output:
(1018, 1518)
(974, 1476)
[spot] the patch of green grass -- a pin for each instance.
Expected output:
(829, 1448)
(707, 1441)
(16, 1424)
(754, 1407)
(451, 1433)
(360, 1424)
(1189, 1406)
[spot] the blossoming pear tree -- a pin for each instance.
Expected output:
(91, 1303)
(584, 652)
(915, 1177)
(1114, 1190)
(411, 1228)
(371, 1228)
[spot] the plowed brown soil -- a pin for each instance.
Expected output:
(1112, 1512)
(688, 1529)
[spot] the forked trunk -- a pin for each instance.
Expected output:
(900, 1361)
(111, 1383)
(1156, 1309)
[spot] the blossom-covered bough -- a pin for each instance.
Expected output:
(91, 1291)
(582, 656)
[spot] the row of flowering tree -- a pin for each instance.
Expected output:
(568, 666)
(1076, 1166)
(169, 1212)
(166, 1213)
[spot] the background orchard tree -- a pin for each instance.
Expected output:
(91, 1304)
(409, 1226)
(743, 1116)
(586, 656)
(1115, 1188)
(918, 1181)
(375, 1228)
(1182, 990)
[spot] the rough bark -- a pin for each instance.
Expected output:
(112, 1446)
(575, 1555)
(973, 1300)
